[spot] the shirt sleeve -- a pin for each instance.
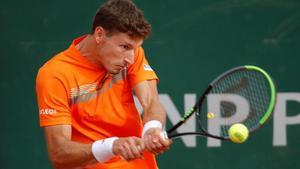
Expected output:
(140, 70)
(52, 98)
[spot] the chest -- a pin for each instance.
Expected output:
(107, 94)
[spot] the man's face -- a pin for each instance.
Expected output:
(115, 52)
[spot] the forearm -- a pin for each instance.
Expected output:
(154, 117)
(154, 122)
(71, 154)
(65, 153)
(148, 96)
(154, 111)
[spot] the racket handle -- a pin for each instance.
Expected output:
(164, 135)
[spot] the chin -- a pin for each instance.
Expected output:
(114, 72)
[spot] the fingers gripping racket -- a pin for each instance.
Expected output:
(244, 94)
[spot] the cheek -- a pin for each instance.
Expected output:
(115, 56)
(105, 55)
(110, 59)
(111, 55)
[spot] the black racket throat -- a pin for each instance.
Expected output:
(196, 109)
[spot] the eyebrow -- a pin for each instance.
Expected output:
(130, 44)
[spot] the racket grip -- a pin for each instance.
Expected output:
(164, 135)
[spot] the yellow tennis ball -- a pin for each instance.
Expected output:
(210, 115)
(238, 133)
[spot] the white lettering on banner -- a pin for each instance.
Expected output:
(281, 120)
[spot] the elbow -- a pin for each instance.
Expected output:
(57, 161)
(145, 102)
(145, 105)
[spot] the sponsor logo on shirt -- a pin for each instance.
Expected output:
(89, 91)
(147, 67)
(84, 89)
(47, 112)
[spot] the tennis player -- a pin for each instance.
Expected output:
(85, 96)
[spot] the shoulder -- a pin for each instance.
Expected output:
(56, 67)
(139, 52)
(52, 79)
(139, 55)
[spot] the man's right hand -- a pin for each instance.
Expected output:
(129, 148)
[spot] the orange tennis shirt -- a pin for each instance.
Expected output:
(72, 90)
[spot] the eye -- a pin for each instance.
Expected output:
(126, 47)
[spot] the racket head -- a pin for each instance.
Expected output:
(244, 94)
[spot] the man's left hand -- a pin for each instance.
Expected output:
(155, 142)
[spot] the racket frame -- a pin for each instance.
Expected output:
(196, 108)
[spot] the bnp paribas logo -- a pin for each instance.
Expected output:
(282, 116)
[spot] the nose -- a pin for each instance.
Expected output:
(129, 57)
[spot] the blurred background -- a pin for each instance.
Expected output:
(192, 42)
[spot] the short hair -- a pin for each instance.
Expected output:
(122, 16)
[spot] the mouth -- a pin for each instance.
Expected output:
(122, 67)
(119, 68)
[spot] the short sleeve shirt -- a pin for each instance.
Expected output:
(72, 90)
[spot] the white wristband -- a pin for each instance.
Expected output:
(102, 149)
(151, 124)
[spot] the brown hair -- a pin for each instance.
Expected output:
(122, 16)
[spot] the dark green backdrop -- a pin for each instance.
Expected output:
(191, 40)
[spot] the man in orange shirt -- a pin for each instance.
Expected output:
(85, 96)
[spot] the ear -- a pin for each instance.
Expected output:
(99, 34)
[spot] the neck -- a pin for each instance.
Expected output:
(87, 48)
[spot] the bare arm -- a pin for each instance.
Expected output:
(65, 153)
(147, 94)
(153, 110)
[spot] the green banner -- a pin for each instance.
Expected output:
(192, 42)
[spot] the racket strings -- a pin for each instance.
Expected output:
(259, 100)
(253, 87)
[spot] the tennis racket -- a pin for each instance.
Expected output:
(244, 94)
